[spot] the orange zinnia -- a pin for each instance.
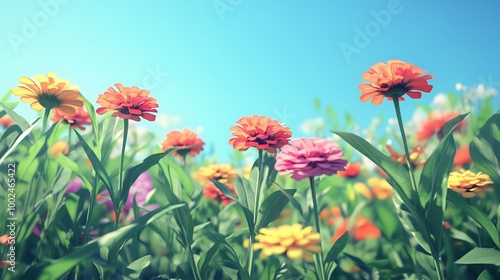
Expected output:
(259, 132)
(415, 154)
(76, 120)
(351, 170)
(187, 143)
(212, 192)
(434, 125)
(393, 80)
(6, 121)
(361, 229)
(127, 103)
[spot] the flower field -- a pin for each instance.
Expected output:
(85, 195)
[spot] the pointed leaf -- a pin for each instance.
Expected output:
(271, 207)
(481, 256)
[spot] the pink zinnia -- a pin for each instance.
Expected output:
(310, 157)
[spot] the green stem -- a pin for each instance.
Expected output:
(255, 214)
(405, 145)
(318, 260)
(69, 140)
(120, 171)
(194, 267)
(90, 210)
(46, 114)
(437, 264)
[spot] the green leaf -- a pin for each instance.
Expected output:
(481, 256)
(137, 266)
(476, 214)
(332, 254)
(20, 121)
(244, 191)
(271, 207)
(485, 275)
(434, 183)
(71, 204)
(484, 150)
(225, 190)
(115, 240)
(396, 171)
(18, 140)
(134, 172)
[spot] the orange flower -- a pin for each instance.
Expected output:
(4, 239)
(127, 103)
(351, 170)
(462, 156)
(468, 183)
(220, 172)
(330, 215)
(435, 123)
(187, 142)
(49, 93)
(393, 80)
(6, 121)
(415, 154)
(380, 188)
(212, 192)
(259, 132)
(58, 148)
(361, 229)
(76, 120)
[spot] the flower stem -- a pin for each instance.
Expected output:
(120, 171)
(255, 214)
(46, 114)
(405, 144)
(196, 272)
(90, 210)
(318, 260)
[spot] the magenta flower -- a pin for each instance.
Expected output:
(310, 157)
(74, 185)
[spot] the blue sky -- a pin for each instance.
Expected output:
(210, 63)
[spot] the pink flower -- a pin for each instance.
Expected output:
(310, 157)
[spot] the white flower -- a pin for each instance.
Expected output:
(440, 100)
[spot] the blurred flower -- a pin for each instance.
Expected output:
(330, 215)
(247, 170)
(49, 93)
(440, 100)
(380, 188)
(310, 157)
(210, 191)
(415, 153)
(259, 132)
(74, 185)
(76, 120)
(187, 143)
(351, 170)
(6, 121)
(4, 264)
(127, 103)
(459, 87)
(393, 80)
(139, 191)
(4, 239)
(60, 147)
(362, 189)
(468, 183)
(434, 125)
(294, 241)
(361, 229)
(462, 156)
(223, 173)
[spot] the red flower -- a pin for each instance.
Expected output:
(212, 192)
(393, 80)
(259, 132)
(462, 156)
(351, 170)
(127, 103)
(361, 229)
(434, 125)
(187, 143)
(6, 121)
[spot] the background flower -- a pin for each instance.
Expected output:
(434, 125)
(210, 191)
(223, 173)
(468, 183)
(187, 142)
(78, 120)
(259, 132)
(310, 157)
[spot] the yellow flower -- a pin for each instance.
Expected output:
(49, 93)
(246, 171)
(223, 173)
(380, 188)
(293, 240)
(58, 148)
(468, 183)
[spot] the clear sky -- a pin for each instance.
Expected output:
(210, 63)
